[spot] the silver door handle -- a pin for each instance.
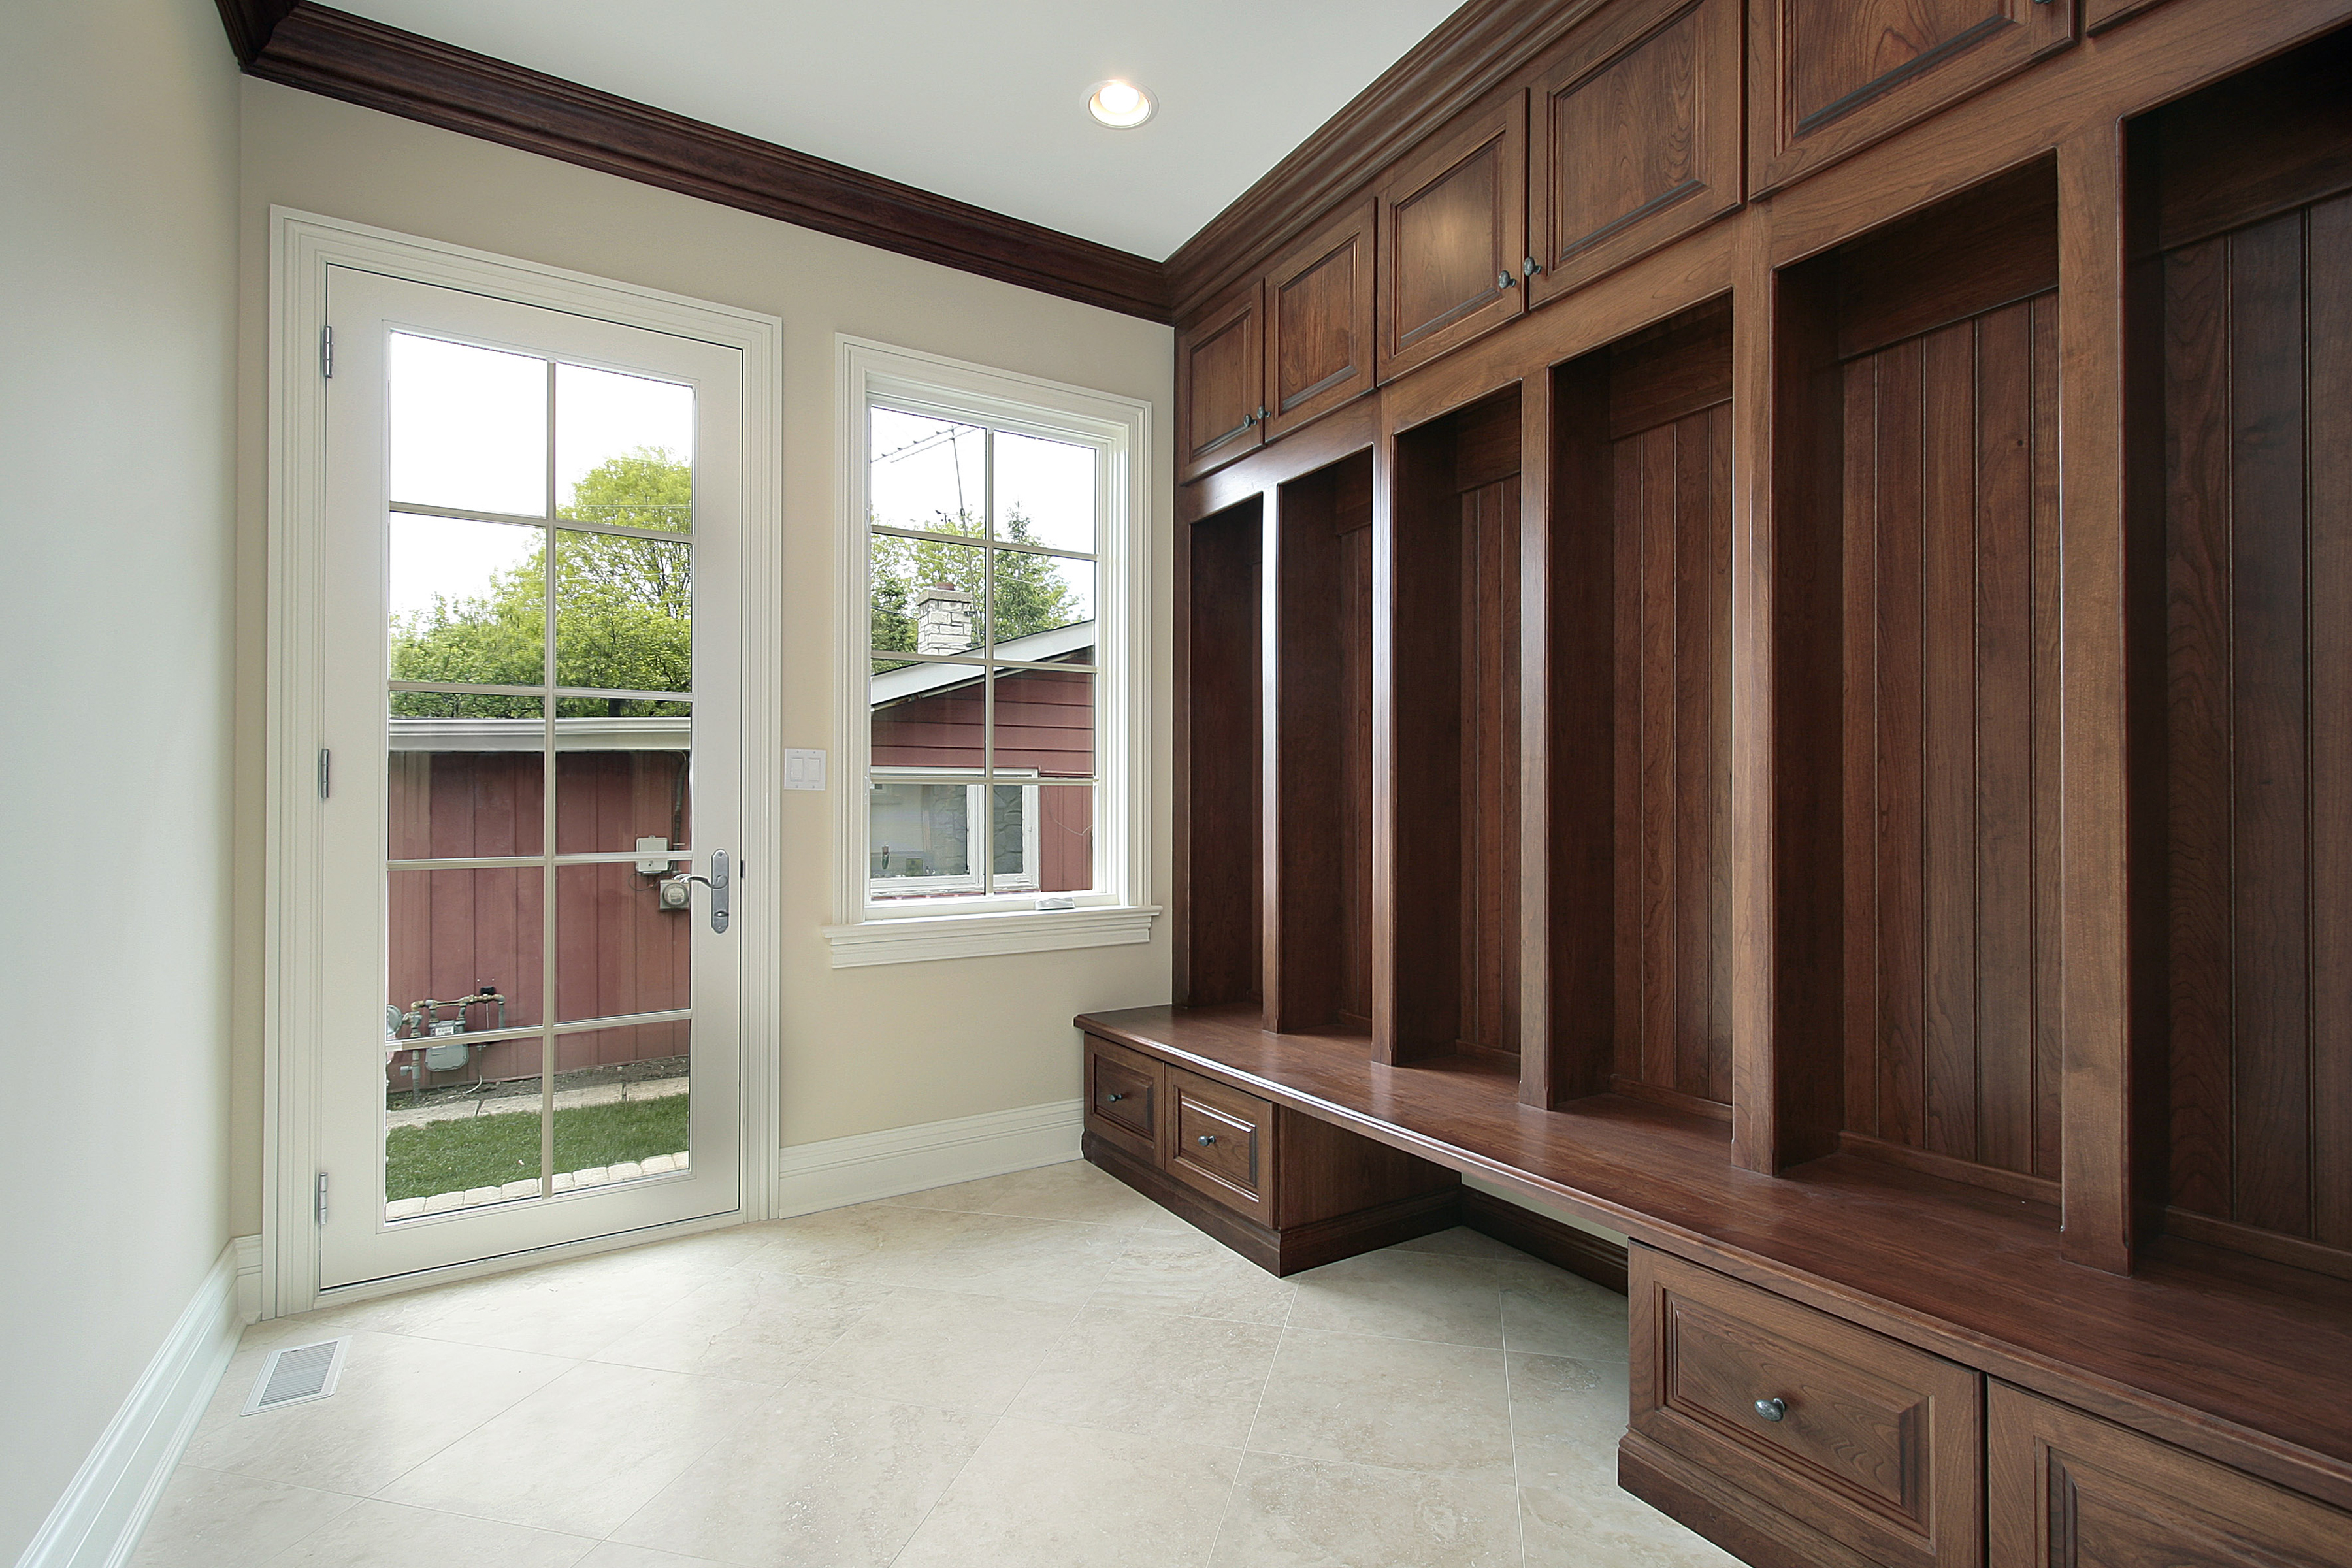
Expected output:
(719, 883)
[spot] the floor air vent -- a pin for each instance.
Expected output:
(293, 1375)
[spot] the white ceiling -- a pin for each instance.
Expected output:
(983, 102)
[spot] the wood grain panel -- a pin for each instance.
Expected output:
(1221, 759)
(1452, 234)
(1220, 384)
(1320, 322)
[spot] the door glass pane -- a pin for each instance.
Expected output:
(1045, 492)
(623, 450)
(1045, 606)
(928, 473)
(928, 596)
(468, 603)
(465, 951)
(623, 783)
(621, 1103)
(617, 950)
(464, 788)
(468, 1145)
(929, 715)
(1046, 722)
(468, 426)
(625, 613)
(919, 837)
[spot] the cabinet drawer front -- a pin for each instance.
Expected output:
(1869, 1441)
(1221, 1142)
(1123, 1095)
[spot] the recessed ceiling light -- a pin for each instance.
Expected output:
(1120, 105)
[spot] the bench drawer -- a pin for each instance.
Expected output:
(1124, 1090)
(1875, 1444)
(1221, 1144)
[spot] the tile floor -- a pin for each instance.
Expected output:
(1041, 1369)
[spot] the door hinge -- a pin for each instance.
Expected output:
(322, 1197)
(326, 773)
(327, 353)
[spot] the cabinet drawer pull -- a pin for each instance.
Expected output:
(1113, 1098)
(1206, 1139)
(1772, 1409)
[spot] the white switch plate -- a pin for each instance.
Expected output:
(803, 770)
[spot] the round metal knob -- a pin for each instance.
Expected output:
(1113, 1098)
(1772, 1409)
(1206, 1139)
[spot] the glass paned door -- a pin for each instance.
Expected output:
(530, 1035)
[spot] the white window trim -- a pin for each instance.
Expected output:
(1119, 912)
(976, 809)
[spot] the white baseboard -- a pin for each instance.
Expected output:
(248, 1278)
(813, 1177)
(97, 1522)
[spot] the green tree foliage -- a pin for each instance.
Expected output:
(1031, 592)
(624, 615)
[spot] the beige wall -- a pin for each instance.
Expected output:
(118, 249)
(863, 1049)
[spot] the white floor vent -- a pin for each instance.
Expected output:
(295, 1375)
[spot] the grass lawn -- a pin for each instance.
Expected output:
(492, 1151)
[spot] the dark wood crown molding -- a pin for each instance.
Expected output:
(1473, 50)
(333, 53)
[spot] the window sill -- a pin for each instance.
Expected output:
(920, 938)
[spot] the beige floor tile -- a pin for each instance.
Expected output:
(612, 1554)
(762, 1327)
(1602, 1527)
(935, 1347)
(586, 1451)
(1152, 1373)
(1404, 1295)
(1566, 1419)
(1549, 1311)
(1307, 1513)
(1037, 1495)
(571, 1309)
(826, 1478)
(836, 1239)
(1046, 1261)
(1405, 1404)
(1072, 1190)
(386, 1535)
(209, 1519)
(1463, 1242)
(399, 1402)
(1185, 1271)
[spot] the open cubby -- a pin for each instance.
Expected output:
(1638, 656)
(2240, 414)
(1320, 970)
(1453, 904)
(1222, 815)
(1918, 627)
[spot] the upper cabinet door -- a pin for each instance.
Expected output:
(1829, 76)
(1220, 394)
(1318, 322)
(1637, 135)
(1452, 236)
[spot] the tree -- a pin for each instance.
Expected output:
(1031, 593)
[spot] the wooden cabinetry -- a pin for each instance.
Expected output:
(2069, 1491)
(1827, 77)
(1220, 382)
(1635, 137)
(1454, 237)
(1318, 322)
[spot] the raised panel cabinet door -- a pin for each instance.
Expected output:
(2070, 1490)
(1635, 137)
(1318, 322)
(1872, 1443)
(1123, 1097)
(1829, 76)
(1452, 237)
(1221, 1144)
(1220, 387)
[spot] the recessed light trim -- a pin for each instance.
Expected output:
(1121, 104)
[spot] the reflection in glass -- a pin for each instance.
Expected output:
(1037, 595)
(1058, 836)
(469, 1142)
(928, 596)
(464, 788)
(617, 950)
(929, 715)
(468, 426)
(621, 784)
(622, 1103)
(624, 612)
(918, 838)
(1045, 492)
(464, 954)
(1046, 722)
(468, 601)
(623, 450)
(928, 473)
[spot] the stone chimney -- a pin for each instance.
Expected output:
(942, 619)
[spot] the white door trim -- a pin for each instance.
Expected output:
(303, 245)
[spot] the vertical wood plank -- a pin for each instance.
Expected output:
(1358, 924)
(1859, 660)
(1693, 986)
(1718, 1085)
(1625, 460)
(1659, 951)
(1903, 1045)
(2328, 333)
(2048, 929)
(2269, 688)
(1947, 517)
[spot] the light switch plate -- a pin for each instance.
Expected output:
(803, 770)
